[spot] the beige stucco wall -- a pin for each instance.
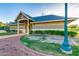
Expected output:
(48, 25)
(41, 25)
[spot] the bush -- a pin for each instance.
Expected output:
(13, 31)
(72, 34)
(53, 32)
(7, 29)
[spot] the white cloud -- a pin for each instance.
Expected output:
(58, 10)
(73, 10)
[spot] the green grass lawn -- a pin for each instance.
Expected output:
(7, 33)
(48, 48)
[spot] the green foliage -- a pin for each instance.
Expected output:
(4, 28)
(73, 28)
(6, 33)
(2, 24)
(11, 31)
(77, 28)
(72, 34)
(25, 40)
(54, 32)
(75, 50)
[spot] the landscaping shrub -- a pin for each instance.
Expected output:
(53, 32)
(1, 28)
(11, 31)
(72, 34)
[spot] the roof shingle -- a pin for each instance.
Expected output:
(47, 18)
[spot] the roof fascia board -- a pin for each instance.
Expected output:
(50, 21)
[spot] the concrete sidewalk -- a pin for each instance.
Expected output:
(7, 36)
(72, 41)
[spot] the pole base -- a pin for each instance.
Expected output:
(66, 51)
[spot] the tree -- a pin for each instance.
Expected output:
(2, 24)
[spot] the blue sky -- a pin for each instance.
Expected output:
(9, 11)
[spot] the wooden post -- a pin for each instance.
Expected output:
(17, 27)
(28, 26)
(25, 27)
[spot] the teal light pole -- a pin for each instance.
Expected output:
(66, 47)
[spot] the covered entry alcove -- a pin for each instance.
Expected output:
(23, 23)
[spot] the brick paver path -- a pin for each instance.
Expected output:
(12, 46)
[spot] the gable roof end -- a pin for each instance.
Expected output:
(27, 16)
